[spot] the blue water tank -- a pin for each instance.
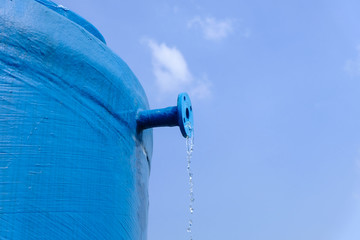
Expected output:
(72, 163)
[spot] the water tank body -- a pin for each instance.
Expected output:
(72, 163)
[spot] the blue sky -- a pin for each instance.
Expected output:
(275, 87)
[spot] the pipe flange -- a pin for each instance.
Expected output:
(185, 115)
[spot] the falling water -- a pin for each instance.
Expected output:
(189, 150)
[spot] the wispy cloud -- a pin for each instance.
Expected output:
(212, 28)
(201, 88)
(169, 67)
(352, 66)
(172, 73)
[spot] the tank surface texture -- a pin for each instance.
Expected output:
(72, 165)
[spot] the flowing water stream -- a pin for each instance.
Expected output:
(189, 150)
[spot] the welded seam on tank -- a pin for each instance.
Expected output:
(143, 150)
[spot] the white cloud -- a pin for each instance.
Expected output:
(352, 66)
(172, 73)
(169, 67)
(212, 28)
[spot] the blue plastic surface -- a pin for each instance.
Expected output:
(73, 17)
(72, 165)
